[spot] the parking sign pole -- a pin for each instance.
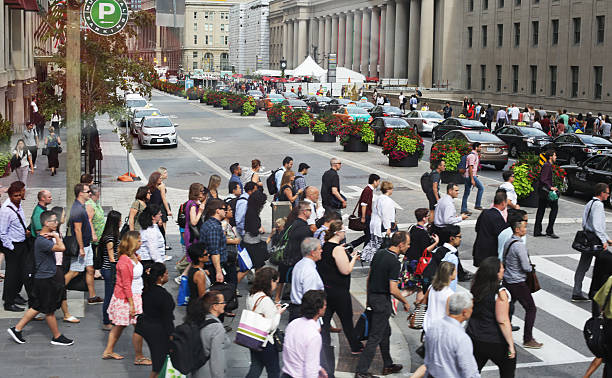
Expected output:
(73, 100)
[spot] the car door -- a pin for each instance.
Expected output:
(588, 174)
(562, 148)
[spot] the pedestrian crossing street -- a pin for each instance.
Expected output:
(559, 322)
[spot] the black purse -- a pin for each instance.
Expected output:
(595, 333)
(279, 339)
(587, 241)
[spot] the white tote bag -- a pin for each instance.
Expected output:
(244, 259)
(253, 329)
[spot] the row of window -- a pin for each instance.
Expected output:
(208, 63)
(500, 4)
(600, 25)
(209, 27)
(211, 14)
(208, 39)
(533, 80)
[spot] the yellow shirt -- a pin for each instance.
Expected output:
(600, 298)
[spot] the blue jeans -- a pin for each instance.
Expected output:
(109, 287)
(468, 189)
(268, 358)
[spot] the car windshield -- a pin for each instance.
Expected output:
(590, 139)
(157, 122)
(395, 122)
(431, 115)
(391, 109)
(136, 103)
(530, 131)
(469, 122)
(274, 95)
(356, 110)
(482, 137)
(143, 113)
(297, 103)
(365, 104)
(343, 101)
(323, 99)
(290, 94)
(255, 93)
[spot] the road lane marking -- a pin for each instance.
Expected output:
(206, 160)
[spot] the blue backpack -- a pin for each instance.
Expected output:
(462, 166)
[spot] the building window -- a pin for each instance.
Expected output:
(577, 24)
(470, 35)
(195, 15)
(195, 26)
(517, 34)
(515, 78)
(222, 27)
(598, 73)
(225, 40)
(195, 65)
(500, 3)
(225, 62)
(206, 15)
(575, 72)
(555, 32)
(195, 55)
(552, 70)
(483, 77)
(601, 28)
(535, 32)
(485, 4)
(517, 3)
(500, 35)
(470, 5)
(484, 35)
(534, 79)
(195, 39)
(468, 76)
(498, 78)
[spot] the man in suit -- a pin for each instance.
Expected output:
(488, 226)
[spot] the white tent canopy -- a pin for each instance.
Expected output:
(268, 73)
(309, 68)
(343, 75)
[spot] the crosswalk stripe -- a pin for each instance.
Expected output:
(557, 272)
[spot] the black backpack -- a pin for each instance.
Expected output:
(271, 182)
(229, 294)
(232, 202)
(426, 184)
(186, 349)
(181, 218)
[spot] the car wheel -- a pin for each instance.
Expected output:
(513, 151)
(567, 187)
(175, 145)
(500, 166)
(572, 160)
(433, 136)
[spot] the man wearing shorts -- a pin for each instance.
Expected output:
(47, 290)
(81, 229)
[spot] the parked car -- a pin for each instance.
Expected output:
(386, 111)
(132, 101)
(255, 94)
(289, 95)
(573, 148)
(494, 150)
(337, 103)
(136, 117)
(295, 104)
(365, 105)
(523, 139)
(383, 124)
(584, 175)
(157, 131)
(318, 104)
(452, 123)
(353, 113)
(266, 103)
(424, 120)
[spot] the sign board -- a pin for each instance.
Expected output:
(188, 83)
(331, 68)
(105, 17)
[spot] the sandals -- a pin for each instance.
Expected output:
(112, 356)
(143, 361)
(71, 319)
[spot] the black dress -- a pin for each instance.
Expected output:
(52, 151)
(281, 193)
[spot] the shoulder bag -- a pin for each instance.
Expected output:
(253, 329)
(532, 279)
(416, 317)
(71, 244)
(355, 221)
(587, 241)
(595, 334)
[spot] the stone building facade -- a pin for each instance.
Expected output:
(250, 36)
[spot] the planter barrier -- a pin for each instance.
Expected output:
(408, 161)
(327, 137)
(355, 144)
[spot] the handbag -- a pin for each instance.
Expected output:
(587, 241)
(595, 334)
(59, 149)
(253, 328)
(182, 298)
(45, 151)
(362, 328)
(423, 262)
(532, 279)
(194, 232)
(355, 223)
(244, 259)
(277, 253)
(125, 228)
(415, 319)
(279, 339)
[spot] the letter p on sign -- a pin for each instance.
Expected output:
(104, 10)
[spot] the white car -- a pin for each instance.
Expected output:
(157, 131)
(424, 120)
(136, 117)
(132, 101)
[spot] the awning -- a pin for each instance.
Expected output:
(26, 5)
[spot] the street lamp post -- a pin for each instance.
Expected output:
(283, 66)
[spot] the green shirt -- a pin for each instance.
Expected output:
(564, 118)
(35, 225)
(600, 298)
(98, 218)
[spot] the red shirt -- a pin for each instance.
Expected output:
(366, 197)
(125, 275)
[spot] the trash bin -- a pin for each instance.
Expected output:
(280, 209)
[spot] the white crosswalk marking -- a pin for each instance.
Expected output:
(558, 272)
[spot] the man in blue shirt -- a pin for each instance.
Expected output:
(213, 237)
(278, 176)
(241, 206)
(236, 171)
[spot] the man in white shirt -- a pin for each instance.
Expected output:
(278, 176)
(305, 275)
(401, 102)
(508, 186)
(311, 195)
(446, 213)
(514, 112)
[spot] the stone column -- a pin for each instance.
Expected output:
(374, 39)
(313, 36)
(401, 40)
(285, 40)
(348, 51)
(341, 39)
(328, 37)
(321, 42)
(381, 48)
(426, 44)
(296, 37)
(289, 49)
(334, 34)
(365, 42)
(389, 39)
(302, 41)
(413, 42)
(356, 40)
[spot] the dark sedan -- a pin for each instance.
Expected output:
(456, 124)
(523, 139)
(318, 104)
(573, 148)
(385, 111)
(296, 104)
(583, 176)
(337, 103)
(383, 124)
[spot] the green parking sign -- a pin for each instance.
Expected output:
(105, 17)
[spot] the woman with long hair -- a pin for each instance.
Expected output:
(109, 242)
(382, 221)
(156, 323)
(126, 302)
(438, 293)
(165, 206)
(193, 209)
(253, 230)
(252, 174)
(62, 265)
(286, 192)
(232, 240)
(489, 326)
(213, 186)
(152, 249)
(24, 159)
(260, 301)
(53, 143)
(158, 197)
(140, 203)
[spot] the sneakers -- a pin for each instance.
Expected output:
(532, 344)
(579, 298)
(167, 258)
(177, 280)
(16, 335)
(62, 341)
(95, 300)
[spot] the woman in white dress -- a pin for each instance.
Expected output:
(382, 221)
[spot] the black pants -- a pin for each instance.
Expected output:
(339, 302)
(496, 352)
(294, 311)
(34, 151)
(16, 275)
(366, 235)
(543, 203)
(379, 334)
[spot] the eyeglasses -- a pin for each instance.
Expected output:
(224, 302)
(86, 191)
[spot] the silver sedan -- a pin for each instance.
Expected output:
(423, 120)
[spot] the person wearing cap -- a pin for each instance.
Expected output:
(590, 127)
(300, 179)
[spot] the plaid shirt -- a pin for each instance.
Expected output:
(212, 235)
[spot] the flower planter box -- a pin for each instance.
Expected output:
(451, 176)
(236, 110)
(408, 161)
(277, 123)
(217, 105)
(202, 101)
(299, 130)
(355, 144)
(530, 201)
(226, 107)
(324, 137)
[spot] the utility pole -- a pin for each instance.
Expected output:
(73, 100)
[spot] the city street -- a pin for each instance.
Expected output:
(210, 140)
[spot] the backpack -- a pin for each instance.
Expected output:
(426, 184)
(186, 350)
(229, 294)
(277, 254)
(232, 203)
(462, 166)
(181, 218)
(271, 182)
